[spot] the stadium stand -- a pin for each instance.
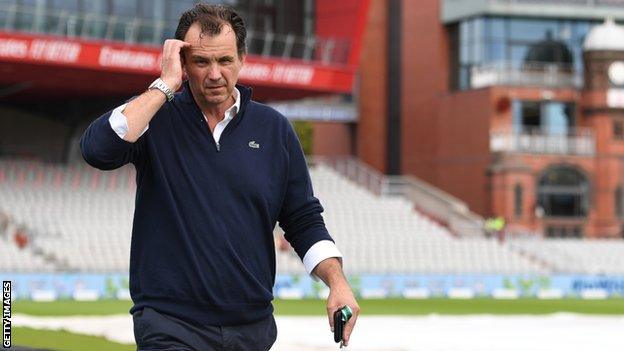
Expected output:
(381, 234)
(595, 256)
(80, 219)
(19, 260)
(15, 256)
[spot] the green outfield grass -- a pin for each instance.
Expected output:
(64, 341)
(369, 307)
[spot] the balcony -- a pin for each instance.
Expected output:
(97, 26)
(537, 74)
(577, 141)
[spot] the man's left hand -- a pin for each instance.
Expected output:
(340, 294)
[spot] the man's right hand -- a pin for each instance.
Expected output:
(172, 63)
(140, 111)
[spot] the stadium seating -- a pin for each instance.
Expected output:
(595, 256)
(385, 235)
(80, 219)
(19, 260)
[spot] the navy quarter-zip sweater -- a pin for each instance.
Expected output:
(202, 239)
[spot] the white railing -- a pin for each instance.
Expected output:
(579, 141)
(443, 207)
(428, 199)
(356, 171)
(527, 74)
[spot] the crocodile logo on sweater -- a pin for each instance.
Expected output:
(254, 145)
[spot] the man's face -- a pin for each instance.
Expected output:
(212, 65)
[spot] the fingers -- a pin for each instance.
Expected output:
(339, 297)
(172, 63)
(330, 315)
(350, 325)
(174, 46)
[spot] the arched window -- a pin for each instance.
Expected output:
(563, 191)
(518, 200)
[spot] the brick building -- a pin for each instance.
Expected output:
(515, 107)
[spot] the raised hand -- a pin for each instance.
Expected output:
(172, 63)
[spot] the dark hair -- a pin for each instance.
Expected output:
(212, 18)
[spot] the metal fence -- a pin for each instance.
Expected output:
(95, 26)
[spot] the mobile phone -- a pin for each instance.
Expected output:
(341, 317)
(339, 324)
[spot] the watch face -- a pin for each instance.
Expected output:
(616, 73)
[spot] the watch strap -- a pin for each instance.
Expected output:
(163, 87)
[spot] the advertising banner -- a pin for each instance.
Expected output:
(67, 53)
(54, 286)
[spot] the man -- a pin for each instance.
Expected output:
(215, 172)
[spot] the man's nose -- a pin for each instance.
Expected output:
(214, 72)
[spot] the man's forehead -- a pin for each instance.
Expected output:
(195, 36)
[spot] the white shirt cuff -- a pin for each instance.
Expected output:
(119, 122)
(318, 252)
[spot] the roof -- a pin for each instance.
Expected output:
(607, 36)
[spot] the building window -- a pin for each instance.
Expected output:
(499, 45)
(618, 130)
(563, 191)
(619, 202)
(518, 201)
(544, 117)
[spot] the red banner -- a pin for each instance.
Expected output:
(99, 55)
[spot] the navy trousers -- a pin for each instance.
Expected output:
(155, 331)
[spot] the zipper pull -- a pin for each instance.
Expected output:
(218, 147)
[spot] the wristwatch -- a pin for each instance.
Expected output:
(162, 86)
